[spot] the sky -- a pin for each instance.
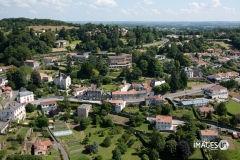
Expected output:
(123, 10)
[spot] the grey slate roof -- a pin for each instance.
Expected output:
(14, 106)
(24, 92)
(85, 106)
(193, 102)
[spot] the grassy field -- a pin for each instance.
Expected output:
(23, 131)
(124, 40)
(74, 43)
(233, 107)
(132, 110)
(113, 74)
(109, 87)
(59, 49)
(53, 28)
(78, 156)
(49, 72)
(52, 154)
(118, 119)
(180, 113)
(192, 84)
(223, 44)
(60, 127)
(144, 127)
(197, 154)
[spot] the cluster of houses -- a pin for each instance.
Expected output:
(223, 76)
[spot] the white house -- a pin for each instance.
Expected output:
(208, 135)
(157, 83)
(62, 81)
(118, 105)
(79, 91)
(164, 122)
(25, 96)
(189, 72)
(48, 106)
(160, 57)
(3, 81)
(45, 77)
(217, 92)
(14, 111)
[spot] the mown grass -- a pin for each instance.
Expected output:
(233, 107)
(23, 131)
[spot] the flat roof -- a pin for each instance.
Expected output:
(196, 101)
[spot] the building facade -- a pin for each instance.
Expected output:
(84, 110)
(164, 122)
(14, 111)
(189, 72)
(48, 106)
(25, 96)
(154, 100)
(32, 63)
(124, 60)
(62, 81)
(208, 135)
(118, 105)
(216, 92)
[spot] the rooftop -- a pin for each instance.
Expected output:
(13, 106)
(196, 101)
(158, 97)
(209, 132)
(115, 101)
(86, 106)
(24, 92)
(163, 118)
(48, 102)
(215, 88)
(30, 61)
(206, 109)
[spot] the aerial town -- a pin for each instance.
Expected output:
(94, 91)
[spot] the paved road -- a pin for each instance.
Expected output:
(57, 99)
(58, 145)
(188, 92)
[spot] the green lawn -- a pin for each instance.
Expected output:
(124, 40)
(192, 84)
(131, 110)
(59, 126)
(113, 74)
(144, 127)
(233, 107)
(180, 113)
(23, 131)
(110, 87)
(197, 154)
(227, 46)
(78, 156)
(74, 43)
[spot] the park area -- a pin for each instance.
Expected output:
(192, 84)
(233, 107)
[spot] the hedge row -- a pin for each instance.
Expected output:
(171, 103)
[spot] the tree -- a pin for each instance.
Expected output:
(32, 87)
(11, 84)
(219, 155)
(209, 115)
(153, 155)
(171, 147)
(86, 70)
(98, 120)
(20, 79)
(116, 154)
(122, 147)
(105, 108)
(69, 65)
(136, 73)
(108, 123)
(183, 149)
(35, 78)
(144, 66)
(49, 38)
(107, 80)
(162, 89)
(183, 79)
(137, 120)
(85, 140)
(222, 109)
(99, 157)
(157, 141)
(106, 142)
(42, 122)
(20, 138)
(166, 109)
(66, 116)
(85, 122)
(76, 119)
(144, 157)
(11, 73)
(174, 83)
(30, 108)
(234, 121)
(95, 147)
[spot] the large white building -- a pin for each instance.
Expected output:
(164, 122)
(62, 81)
(25, 96)
(48, 106)
(14, 111)
(189, 72)
(118, 105)
(217, 92)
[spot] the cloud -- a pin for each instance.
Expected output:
(148, 2)
(128, 11)
(106, 3)
(24, 5)
(5, 3)
(156, 12)
(87, 12)
(92, 6)
(124, 11)
(33, 11)
(216, 3)
(227, 9)
(169, 11)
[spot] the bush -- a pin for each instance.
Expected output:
(106, 142)
(131, 142)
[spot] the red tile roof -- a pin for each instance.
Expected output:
(164, 118)
(209, 132)
(215, 88)
(48, 102)
(124, 92)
